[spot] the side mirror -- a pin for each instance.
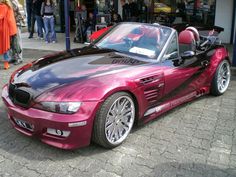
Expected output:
(87, 43)
(188, 54)
(170, 56)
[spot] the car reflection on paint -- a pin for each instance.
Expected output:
(132, 73)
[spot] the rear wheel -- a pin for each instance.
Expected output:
(114, 120)
(221, 79)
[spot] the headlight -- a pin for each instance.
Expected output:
(59, 107)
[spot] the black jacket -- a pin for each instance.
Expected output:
(125, 12)
(36, 7)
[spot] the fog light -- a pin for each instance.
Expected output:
(77, 124)
(58, 132)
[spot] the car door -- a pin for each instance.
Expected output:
(179, 73)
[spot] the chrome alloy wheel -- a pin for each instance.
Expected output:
(223, 77)
(119, 120)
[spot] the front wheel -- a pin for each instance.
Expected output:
(221, 79)
(114, 120)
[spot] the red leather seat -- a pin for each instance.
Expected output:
(187, 41)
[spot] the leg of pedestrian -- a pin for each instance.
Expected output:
(46, 26)
(52, 29)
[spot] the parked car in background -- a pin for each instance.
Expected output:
(161, 8)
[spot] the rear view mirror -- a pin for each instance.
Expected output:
(187, 54)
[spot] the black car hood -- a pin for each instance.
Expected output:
(75, 65)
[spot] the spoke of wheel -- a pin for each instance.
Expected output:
(121, 104)
(110, 120)
(125, 123)
(109, 124)
(124, 105)
(110, 130)
(117, 133)
(117, 107)
(219, 86)
(223, 82)
(112, 133)
(120, 128)
(127, 113)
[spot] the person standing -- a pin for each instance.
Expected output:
(36, 15)
(125, 11)
(47, 12)
(133, 7)
(16, 42)
(7, 29)
(89, 26)
(80, 19)
(29, 4)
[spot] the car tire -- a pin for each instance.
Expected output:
(221, 79)
(114, 120)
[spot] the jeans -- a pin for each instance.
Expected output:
(29, 14)
(49, 25)
(40, 26)
(32, 23)
(6, 56)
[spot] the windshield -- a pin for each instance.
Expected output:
(136, 39)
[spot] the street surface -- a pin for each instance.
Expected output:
(197, 139)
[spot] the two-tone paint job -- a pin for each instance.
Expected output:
(91, 75)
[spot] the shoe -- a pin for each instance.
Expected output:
(46, 42)
(17, 62)
(30, 37)
(6, 65)
(53, 42)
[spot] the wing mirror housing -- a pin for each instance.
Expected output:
(171, 56)
(188, 54)
(87, 43)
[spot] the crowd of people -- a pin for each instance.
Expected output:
(11, 21)
(86, 21)
(42, 12)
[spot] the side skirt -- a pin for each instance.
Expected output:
(154, 112)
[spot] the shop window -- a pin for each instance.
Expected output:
(184, 11)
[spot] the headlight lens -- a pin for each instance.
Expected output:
(59, 107)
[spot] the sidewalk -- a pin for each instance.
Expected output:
(35, 48)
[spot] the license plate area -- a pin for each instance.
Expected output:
(24, 124)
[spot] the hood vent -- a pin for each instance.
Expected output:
(148, 80)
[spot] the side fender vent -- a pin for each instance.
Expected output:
(151, 95)
(148, 80)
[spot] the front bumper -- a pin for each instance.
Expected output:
(41, 121)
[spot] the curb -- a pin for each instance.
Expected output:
(35, 53)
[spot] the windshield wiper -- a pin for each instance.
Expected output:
(114, 50)
(94, 45)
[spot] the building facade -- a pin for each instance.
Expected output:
(207, 12)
